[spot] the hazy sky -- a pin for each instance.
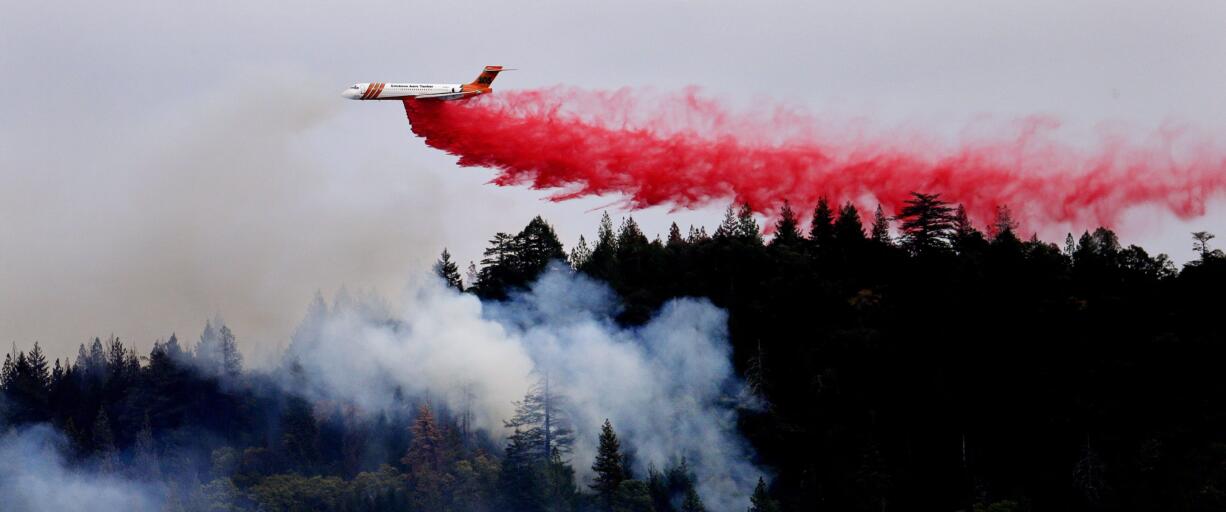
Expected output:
(161, 162)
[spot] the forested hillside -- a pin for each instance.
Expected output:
(921, 363)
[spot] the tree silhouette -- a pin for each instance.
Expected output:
(926, 223)
(607, 466)
(446, 269)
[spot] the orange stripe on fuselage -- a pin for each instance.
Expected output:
(366, 94)
(378, 90)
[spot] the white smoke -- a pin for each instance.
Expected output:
(34, 478)
(668, 386)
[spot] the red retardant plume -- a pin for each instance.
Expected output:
(686, 151)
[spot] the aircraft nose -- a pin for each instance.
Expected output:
(350, 93)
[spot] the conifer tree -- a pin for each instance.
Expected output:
(848, 228)
(657, 486)
(39, 371)
(145, 464)
(535, 246)
(965, 237)
(1003, 223)
(104, 443)
(761, 500)
(607, 466)
(448, 271)
(728, 227)
(927, 223)
(675, 240)
(746, 226)
(580, 255)
(787, 228)
(881, 227)
(605, 238)
(427, 462)
(630, 238)
(821, 229)
(8, 374)
(542, 420)
(692, 502)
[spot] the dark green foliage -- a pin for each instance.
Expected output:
(761, 500)
(540, 422)
(514, 261)
(692, 503)
(607, 467)
(956, 372)
(447, 269)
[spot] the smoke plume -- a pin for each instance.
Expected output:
(34, 477)
(687, 150)
(668, 386)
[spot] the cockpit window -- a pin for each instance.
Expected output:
(354, 86)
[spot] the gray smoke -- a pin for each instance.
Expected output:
(668, 386)
(34, 477)
(221, 203)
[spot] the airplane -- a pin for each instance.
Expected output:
(390, 91)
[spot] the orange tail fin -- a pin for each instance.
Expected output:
(486, 77)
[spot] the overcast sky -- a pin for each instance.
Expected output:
(161, 162)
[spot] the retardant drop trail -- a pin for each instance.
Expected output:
(685, 150)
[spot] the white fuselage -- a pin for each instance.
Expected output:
(389, 91)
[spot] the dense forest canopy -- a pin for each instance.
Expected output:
(921, 363)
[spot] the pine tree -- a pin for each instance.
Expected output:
(1003, 223)
(821, 229)
(497, 265)
(728, 227)
(8, 374)
(580, 255)
(607, 466)
(542, 420)
(787, 228)
(965, 237)
(848, 228)
(927, 223)
(448, 271)
(536, 245)
(761, 500)
(145, 463)
(675, 240)
(427, 461)
(881, 227)
(604, 234)
(630, 238)
(519, 481)
(692, 502)
(231, 358)
(104, 443)
(746, 226)
(38, 368)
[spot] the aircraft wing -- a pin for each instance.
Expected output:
(446, 95)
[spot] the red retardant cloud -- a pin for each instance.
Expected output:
(687, 151)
